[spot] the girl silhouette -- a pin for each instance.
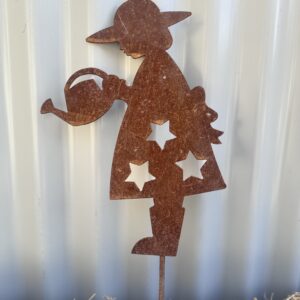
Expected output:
(159, 97)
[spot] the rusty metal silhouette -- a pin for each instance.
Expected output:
(158, 94)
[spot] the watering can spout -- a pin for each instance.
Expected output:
(47, 107)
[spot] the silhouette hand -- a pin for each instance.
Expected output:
(111, 87)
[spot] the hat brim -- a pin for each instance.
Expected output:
(107, 35)
(170, 18)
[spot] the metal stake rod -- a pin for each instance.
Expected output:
(162, 263)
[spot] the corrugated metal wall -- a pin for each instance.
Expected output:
(61, 237)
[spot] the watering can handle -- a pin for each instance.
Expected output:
(87, 71)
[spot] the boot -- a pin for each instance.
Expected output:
(166, 227)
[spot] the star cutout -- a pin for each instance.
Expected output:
(191, 166)
(161, 133)
(139, 175)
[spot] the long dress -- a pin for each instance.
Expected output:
(159, 94)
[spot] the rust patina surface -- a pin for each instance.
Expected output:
(159, 94)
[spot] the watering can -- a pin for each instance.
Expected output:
(86, 101)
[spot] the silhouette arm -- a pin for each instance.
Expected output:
(125, 92)
(115, 88)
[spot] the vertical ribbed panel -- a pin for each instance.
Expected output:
(61, 237)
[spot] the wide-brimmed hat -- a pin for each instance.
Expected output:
(141, 16)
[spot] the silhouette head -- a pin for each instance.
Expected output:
(139, 27)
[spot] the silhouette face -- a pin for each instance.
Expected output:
(136, 45)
